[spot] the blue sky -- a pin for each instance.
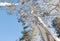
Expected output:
(10, 29)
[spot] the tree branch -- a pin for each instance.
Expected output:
(8, 4)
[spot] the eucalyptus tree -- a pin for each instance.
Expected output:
(35, 14)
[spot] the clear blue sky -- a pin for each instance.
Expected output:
(10, 29)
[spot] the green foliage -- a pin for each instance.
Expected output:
(26, 36)
(25, 27)
(45, 14)
(56, 24)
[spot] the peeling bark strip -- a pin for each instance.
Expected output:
(43, 33)
(51, 38)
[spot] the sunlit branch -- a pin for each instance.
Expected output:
(8, 4)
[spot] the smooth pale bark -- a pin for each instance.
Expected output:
(43, 33)
(51, 38)
(34, 34)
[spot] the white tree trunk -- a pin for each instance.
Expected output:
(45, 26)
